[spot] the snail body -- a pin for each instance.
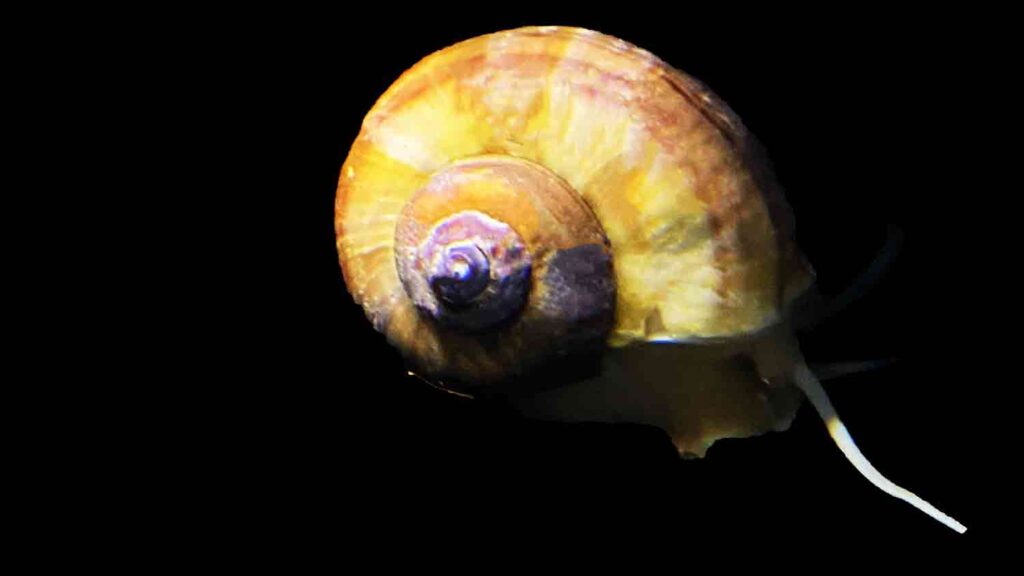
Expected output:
(547, 193)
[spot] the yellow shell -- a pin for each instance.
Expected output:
(672, 175)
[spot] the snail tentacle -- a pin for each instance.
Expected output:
(806, 381)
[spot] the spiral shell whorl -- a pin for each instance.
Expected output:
(590, 150)
(471, 273)
(504, 265)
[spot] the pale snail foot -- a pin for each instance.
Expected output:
(697, 393)
(701, 393)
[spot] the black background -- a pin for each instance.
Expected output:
(317, 427)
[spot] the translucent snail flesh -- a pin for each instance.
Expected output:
(552, 193)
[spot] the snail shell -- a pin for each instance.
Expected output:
(638, 205)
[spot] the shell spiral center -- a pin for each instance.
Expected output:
(505, 266)
(471, 272)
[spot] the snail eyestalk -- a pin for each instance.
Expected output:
(806, 381)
